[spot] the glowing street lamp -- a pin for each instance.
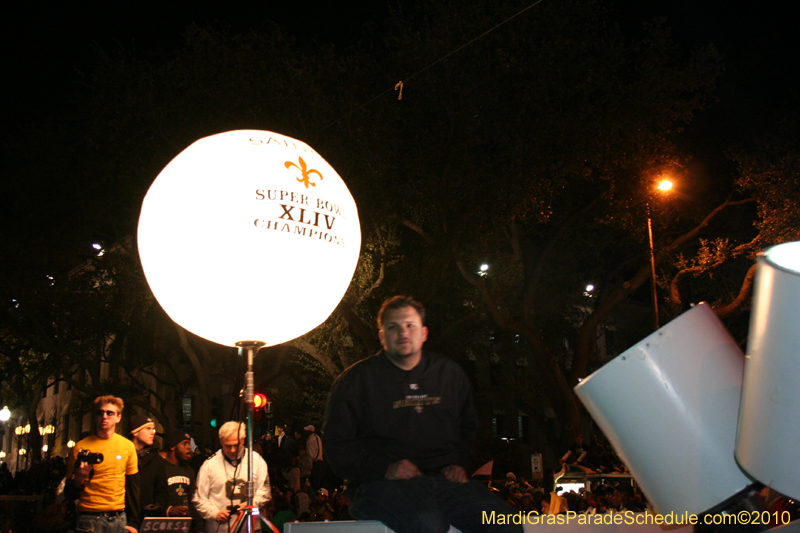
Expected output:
(5, 416)
(249, 238)
(663, 186)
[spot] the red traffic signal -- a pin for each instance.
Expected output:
(259, 400)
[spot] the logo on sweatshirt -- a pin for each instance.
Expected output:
(417, 401)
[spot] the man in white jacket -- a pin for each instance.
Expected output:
(222, 480)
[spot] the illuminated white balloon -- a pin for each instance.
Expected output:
(249, 236)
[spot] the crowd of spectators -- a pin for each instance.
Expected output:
(307, 505)
(609, 497)
(39, 478)
(41, 482)
(594, 458)
(300, 493)
(605, 497)
(294, 499)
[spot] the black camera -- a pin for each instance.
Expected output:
(85, 456)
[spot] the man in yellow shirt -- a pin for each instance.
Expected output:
(104, 477)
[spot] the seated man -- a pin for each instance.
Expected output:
(400, 427)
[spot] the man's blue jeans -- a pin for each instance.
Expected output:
(110, 522)
(428, 504)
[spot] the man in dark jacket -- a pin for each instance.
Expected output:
(143, 434)
(179, 477)
(400, 427)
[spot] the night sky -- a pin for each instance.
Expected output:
(760, 51)
(47, 47)
(44, 46)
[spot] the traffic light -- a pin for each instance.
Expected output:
(216, 412)
(259, 400)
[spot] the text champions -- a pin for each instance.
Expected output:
(300, 215)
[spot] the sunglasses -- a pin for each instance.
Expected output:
(100, 412)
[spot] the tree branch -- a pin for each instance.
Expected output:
(381, 273)
(492, 304)
(363, 329)
(199, 371)
(588, 330)
(743, 296)
(417, 229)
(691, 234)
(308, 348)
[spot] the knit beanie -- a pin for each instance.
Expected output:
(138, 422)
(174, 437)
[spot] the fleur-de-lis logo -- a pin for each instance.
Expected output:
(306, 173)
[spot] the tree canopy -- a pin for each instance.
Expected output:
(531, 148)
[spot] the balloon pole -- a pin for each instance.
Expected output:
(251, 347)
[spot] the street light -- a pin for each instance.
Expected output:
(5, 416)
(663, 186)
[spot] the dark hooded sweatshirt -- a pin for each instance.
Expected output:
(379, 414)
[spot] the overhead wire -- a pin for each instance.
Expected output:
(400, 84)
